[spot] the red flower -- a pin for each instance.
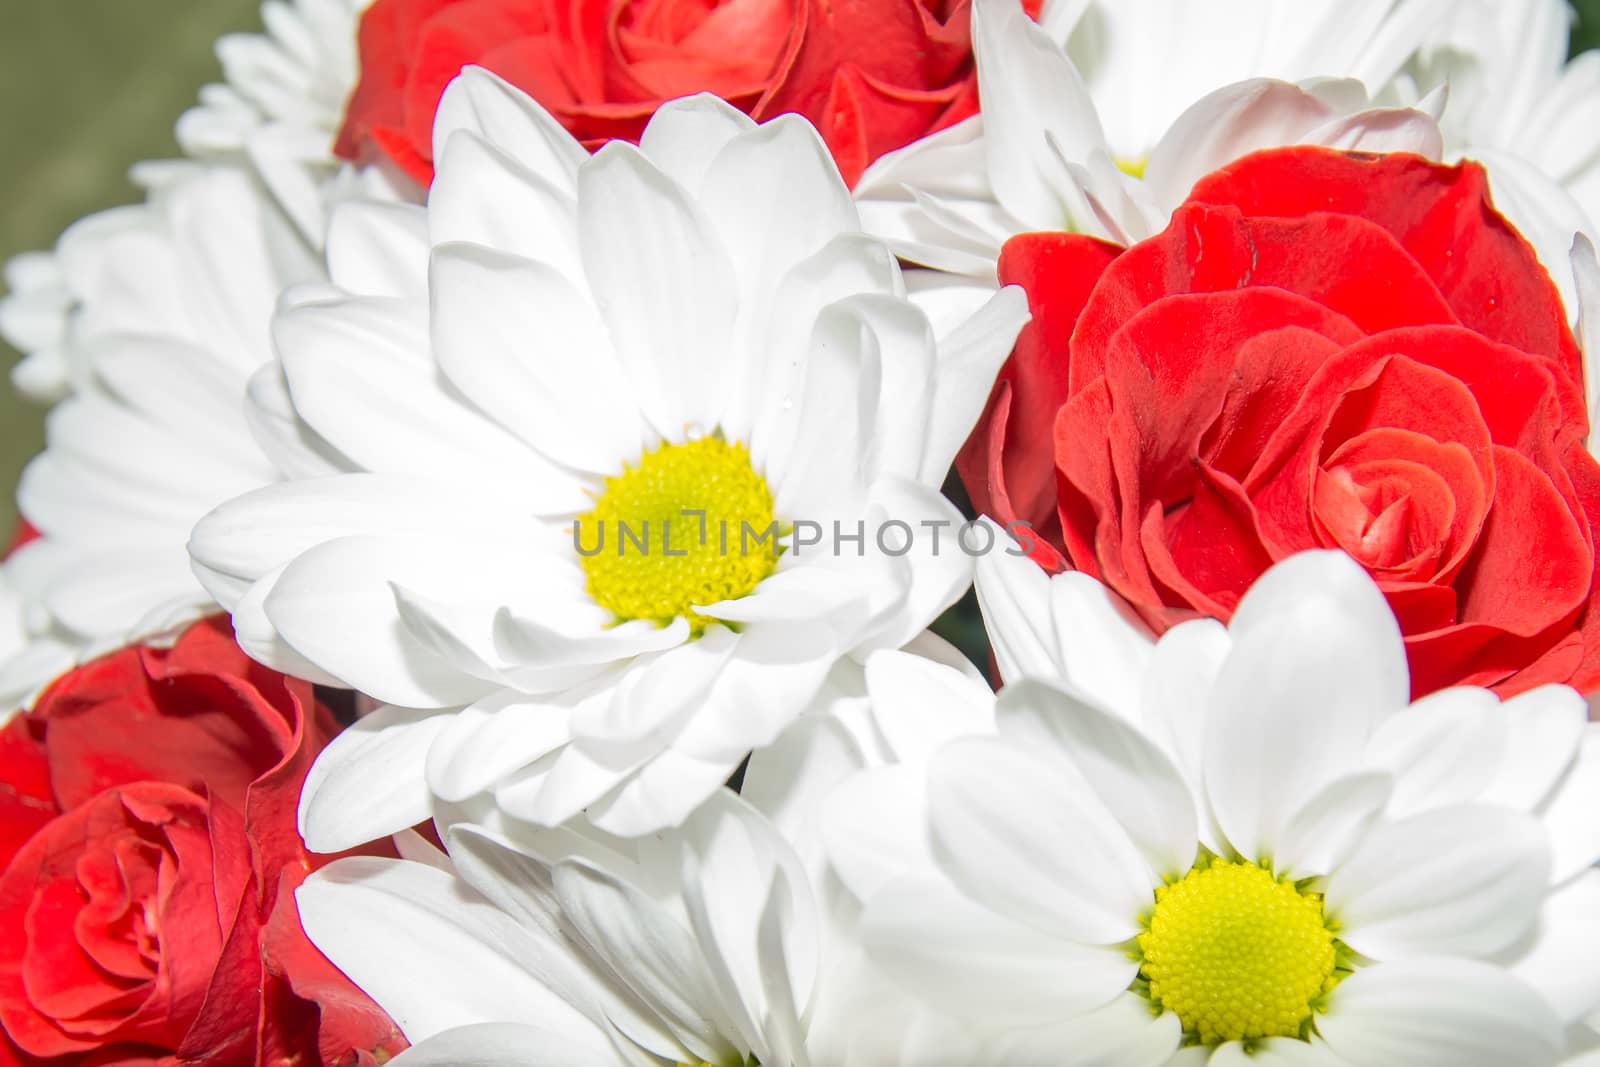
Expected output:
(147, 832)
(1323, 350)
(871, 75)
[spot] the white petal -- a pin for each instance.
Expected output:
(648, 948)
(824, 477)
(1031, 92)
(685, 135)
(652, 700)
(1450, 1013)
(510, 120)
(498, 1044)
(486, 198)
(903, 361)
(923, 578)
(664, 285)
(529, 350)
(362, 377)
(661, 794)
(1317, 661)
(1028, 838)
(752, 911)
(1330, 825)
(335, 605)
(1569, 814)
(379, 249)
(250, 536)
(294, 448)
(919, 704)
(384, 922)
(969, 359)
(1014, 593)
(875, 828)
(369, 782)
(763, 406)
(491, 739)
(1559, 960)
(1177, 693)
(790, 779)
(1137, 782)
(1104, 648)
(769, 681)
(1444, 749)
(1546, 727)
(1457, 881)
(983, 965)
(776, 198)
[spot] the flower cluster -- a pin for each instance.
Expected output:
(570, 394)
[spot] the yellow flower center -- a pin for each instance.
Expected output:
(1237, 954)
(1134, 168)
(691, 524)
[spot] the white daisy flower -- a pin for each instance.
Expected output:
(297, 74)
(694, 334)
(35, 317)
(171, 304)
(282, 101)
(1102, 116)
(1234, 845)
(705, 946)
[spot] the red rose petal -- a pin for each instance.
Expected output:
(1365, 387)
(1533, 566)
(870, 75)
(1270, 372)
(1057, 271)
(1442, 215)
(1207, 552)
(1173, 366)
(26, 800)
(120, 883)
(1420, 607)
(316, 1013)
(1440, 485)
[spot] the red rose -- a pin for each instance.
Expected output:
(147, 827)
(871, 75)
(1323, 350)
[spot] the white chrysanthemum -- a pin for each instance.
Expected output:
(282, 102)
(694, 330)
(35, 317)
(1234, 845)
(173, 302)
(707, 946)
(298, 75)
(1075, 107)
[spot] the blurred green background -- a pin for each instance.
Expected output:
(89, 87)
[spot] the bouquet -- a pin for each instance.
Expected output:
(496, 590)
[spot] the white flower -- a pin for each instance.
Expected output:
(297, 74)
(707, 945)
(34, 319)
(171, 303)
(282, 102)
(562, 342)
(1074, 108)
(1242, 840)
